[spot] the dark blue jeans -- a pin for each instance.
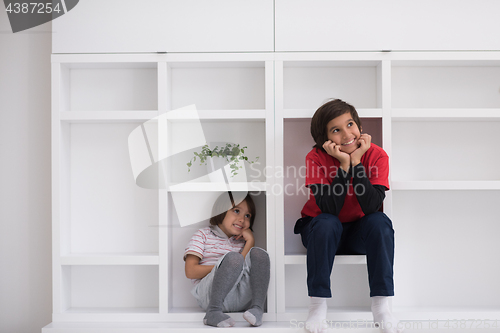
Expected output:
(373, 235)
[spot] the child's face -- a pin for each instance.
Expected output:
(237, 219)
(344, 132)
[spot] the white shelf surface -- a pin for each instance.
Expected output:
(448, 313)
(104, 60)
(152, 327)
(125, 316)
(246, 59)
(347, 313)
(196, 314)
(400, 114)
(446, 185)
(219, 114)
(217, 187)
(144, 115)
(308, 113)
(339, 259)
(110, 259)
(330, 58)
(112, 310)
(240, 327)
(107, 116)
(423, 314)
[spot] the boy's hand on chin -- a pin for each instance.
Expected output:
(364, 142)
(333, 149)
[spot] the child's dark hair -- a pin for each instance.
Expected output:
(229, 200)
(324, 114)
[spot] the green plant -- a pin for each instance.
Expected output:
(232, 153)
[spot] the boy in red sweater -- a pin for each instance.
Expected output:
(347, 176)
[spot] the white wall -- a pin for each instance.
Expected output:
(25, 204)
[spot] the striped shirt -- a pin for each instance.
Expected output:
(210, 243)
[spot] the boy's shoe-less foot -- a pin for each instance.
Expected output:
(316, 319)
(383, 316)
(218, 319)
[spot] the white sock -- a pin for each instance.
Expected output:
(382, 315)
(316, 319)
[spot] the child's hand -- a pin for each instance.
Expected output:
(333, 149)
(364, 141)
(247, 235)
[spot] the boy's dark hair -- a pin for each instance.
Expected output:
(222, 204)
(324, 114)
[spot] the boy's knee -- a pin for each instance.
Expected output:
(327, 224)
(380, 222)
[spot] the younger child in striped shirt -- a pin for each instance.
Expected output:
(229, 273)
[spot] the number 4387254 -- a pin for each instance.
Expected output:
(32, 7)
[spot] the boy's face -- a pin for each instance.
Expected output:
(344, 131)
(236, 220)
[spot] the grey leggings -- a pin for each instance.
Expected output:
(235, 283)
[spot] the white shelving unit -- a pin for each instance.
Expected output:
(105, 252)
(117, 248)
(430, 112)
(446, 111)
(303, 83)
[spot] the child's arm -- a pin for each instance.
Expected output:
(370, 197)
(330, 198)
(193, 268)
(247, 235)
